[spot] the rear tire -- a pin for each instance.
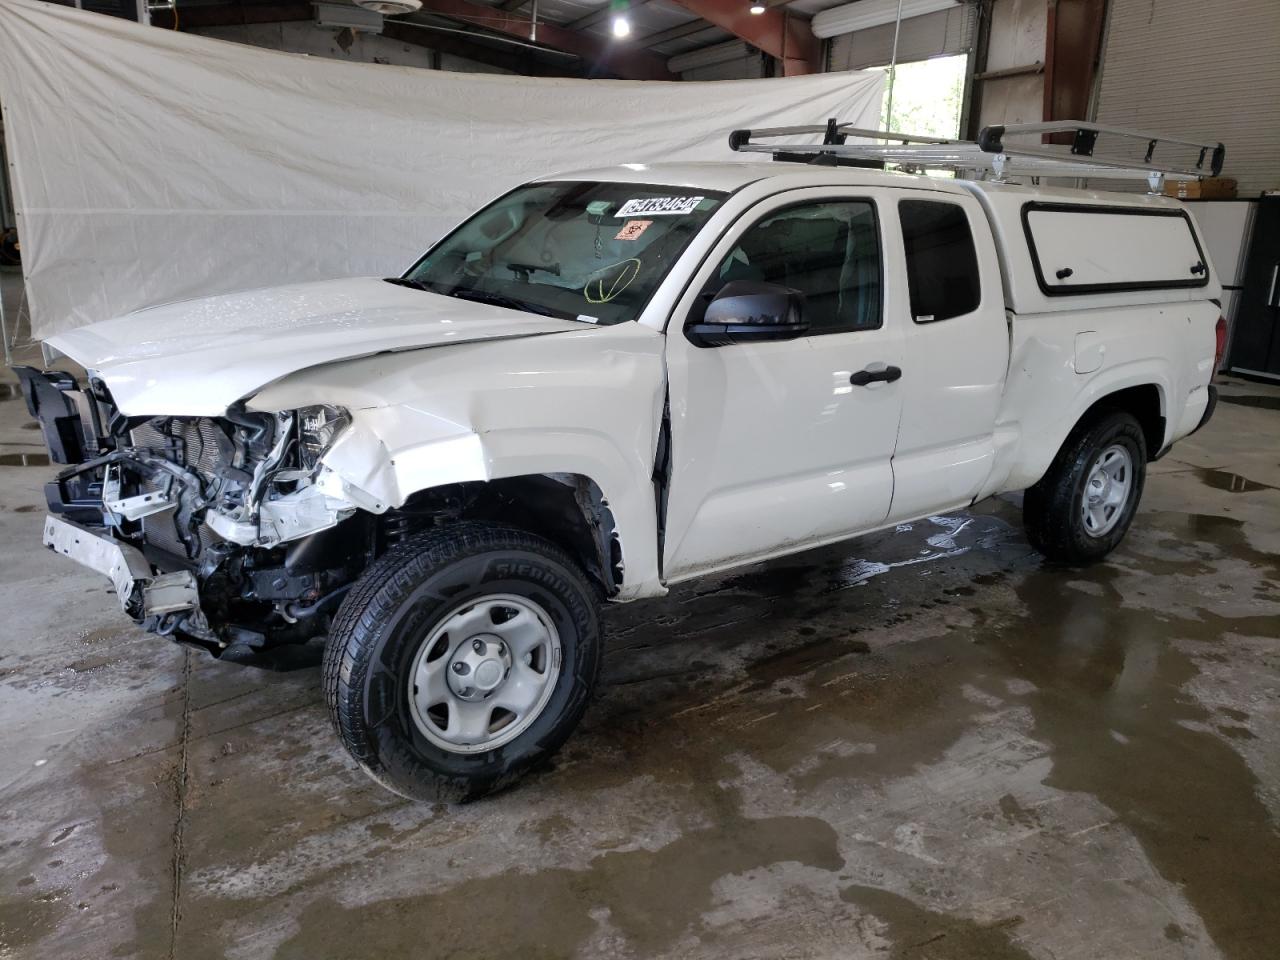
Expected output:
(461, 660)
(1083, 505)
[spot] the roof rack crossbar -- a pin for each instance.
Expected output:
(842, 129)
(1085, 136)
(989, 153)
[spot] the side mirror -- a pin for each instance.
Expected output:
(748, 311)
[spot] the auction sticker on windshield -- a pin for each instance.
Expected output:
(632, 229)
(659, 206)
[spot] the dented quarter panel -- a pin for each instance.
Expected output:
(1045, 396)
(586, 401)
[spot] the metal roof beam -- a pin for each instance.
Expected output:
(619, 59)
(694, 26)
(777, 32)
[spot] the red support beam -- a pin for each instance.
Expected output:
(618, 59)
(1073, 45)
(782, 35)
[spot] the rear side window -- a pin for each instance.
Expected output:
(1090, 249)
(942, 264)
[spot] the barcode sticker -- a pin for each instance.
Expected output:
(659, 206)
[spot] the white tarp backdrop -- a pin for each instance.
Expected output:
(150, 166)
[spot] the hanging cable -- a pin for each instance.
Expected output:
(893, 69)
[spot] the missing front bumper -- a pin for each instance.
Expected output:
(142, 593)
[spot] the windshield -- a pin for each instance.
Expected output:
(582, 251)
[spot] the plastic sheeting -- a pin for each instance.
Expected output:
(150, 166)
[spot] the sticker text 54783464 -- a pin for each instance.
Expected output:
(658, 206)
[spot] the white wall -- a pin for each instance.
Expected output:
(1208, 71)
(740, 62)
(1016, 39)
(944, 33)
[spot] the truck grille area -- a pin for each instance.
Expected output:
(197, 444)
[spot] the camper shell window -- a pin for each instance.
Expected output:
(1079, 249)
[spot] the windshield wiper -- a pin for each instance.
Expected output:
(480, 296)
(410, 282)
(502, 300)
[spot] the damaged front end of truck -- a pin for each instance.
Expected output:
(214, 530)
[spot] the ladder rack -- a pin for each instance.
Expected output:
(989, 154)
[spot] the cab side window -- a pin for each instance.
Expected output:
(942, 264)
(829, 251)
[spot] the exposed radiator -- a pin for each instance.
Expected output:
(199, 452)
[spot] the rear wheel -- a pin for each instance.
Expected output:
(461, 660)
(1083, 506)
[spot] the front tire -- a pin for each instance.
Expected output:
(461, 660)
(1083, 506)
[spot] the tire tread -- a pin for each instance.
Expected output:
(354, 633)
(1049, 511)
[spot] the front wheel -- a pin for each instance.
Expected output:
(1083, 506)
(461, 659)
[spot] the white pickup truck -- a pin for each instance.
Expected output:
(600, 385)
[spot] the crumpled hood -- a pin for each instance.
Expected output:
(196, 357)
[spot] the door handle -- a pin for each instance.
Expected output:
(1272, 295)
(864, 377)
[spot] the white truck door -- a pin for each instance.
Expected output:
(774, 448)
(955, 353)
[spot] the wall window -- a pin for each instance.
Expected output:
(829, 251)
(942, 264)
(927, 95)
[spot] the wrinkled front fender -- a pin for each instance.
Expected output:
(588, 404)
(390, 453)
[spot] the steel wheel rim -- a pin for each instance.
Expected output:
(1107, 490)
(484, 673)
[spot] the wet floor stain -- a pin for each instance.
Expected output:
(920, 934)
(1260, 401)
(652, 898)
(24, 460)
(1106, 680)
(23, 923)
(1102, 667)
(777, 666)
(1228, 481)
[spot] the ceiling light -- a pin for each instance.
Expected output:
(758, 8)
(621, 26)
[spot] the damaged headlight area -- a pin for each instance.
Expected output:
(213, 528)
(318, 428)
(282, 501)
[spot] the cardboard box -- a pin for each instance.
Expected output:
(1210, 188)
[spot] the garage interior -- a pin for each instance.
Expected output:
(926, 743)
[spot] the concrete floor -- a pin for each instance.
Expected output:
(921, 745)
